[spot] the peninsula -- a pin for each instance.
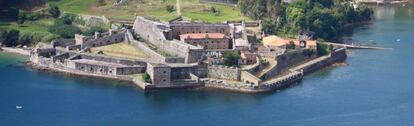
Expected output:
(252, 48)
(182, 54)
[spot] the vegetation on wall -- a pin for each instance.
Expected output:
(147, 78)
(9, 37)
(326, 18)
(323, 49)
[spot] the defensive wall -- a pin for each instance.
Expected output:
(288, 60)
(100, 39)
(155, 33)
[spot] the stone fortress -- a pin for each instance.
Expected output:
(183, 54)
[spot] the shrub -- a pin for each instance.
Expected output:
(323, 49)
(147, 78)
(215, 11)
(50, 37)
(27, 38)
(21, 17)
(65, 31)
(92, 31)
(33, 16)
(170, 8)
(10, 37)
(54, 11)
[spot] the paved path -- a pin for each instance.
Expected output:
(355, 46)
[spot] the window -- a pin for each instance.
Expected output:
(164, 71)
(164, 80)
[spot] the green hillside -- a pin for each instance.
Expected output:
(192, 9)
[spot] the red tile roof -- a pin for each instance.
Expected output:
(203, 36)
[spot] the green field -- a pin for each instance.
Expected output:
(122, 50)
(29, 26)
(192, 9)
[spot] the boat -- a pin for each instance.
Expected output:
(19, 107)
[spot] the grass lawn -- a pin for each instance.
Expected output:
(73, 6)
(122, 50)
(40, 26)
(138, 76)
(193, 9)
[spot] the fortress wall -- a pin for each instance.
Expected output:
(248, 78)
(185, 72)
(95, 68)
(285, 61)
(63, 42)
(113, 60)
(129, 70)
(224, 72)
(154, 32)
(100, 39)
(160, 74)
(46, 52)
(339, 55)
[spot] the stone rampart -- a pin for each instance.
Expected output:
(287, 60)
(248, 78)
(338, 55)
(100, 39)
(224, 72)
(154, 32)
(112, 60)
(63, 42)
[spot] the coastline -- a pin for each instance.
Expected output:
(273, 84)
(15, 50)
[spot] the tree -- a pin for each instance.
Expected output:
(231, 58)
(323, 49)
(324, 17)
(21, 17)
(10, 37)
(54, 11)
(65, 31)
(147, 78)
(92, 30)
(170, 8)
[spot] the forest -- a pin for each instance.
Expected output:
(325, 19)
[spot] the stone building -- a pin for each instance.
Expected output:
(180, 28)
(160, 74)
(247, 58)
(207, 40)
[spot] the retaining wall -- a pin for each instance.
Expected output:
(224, 72)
